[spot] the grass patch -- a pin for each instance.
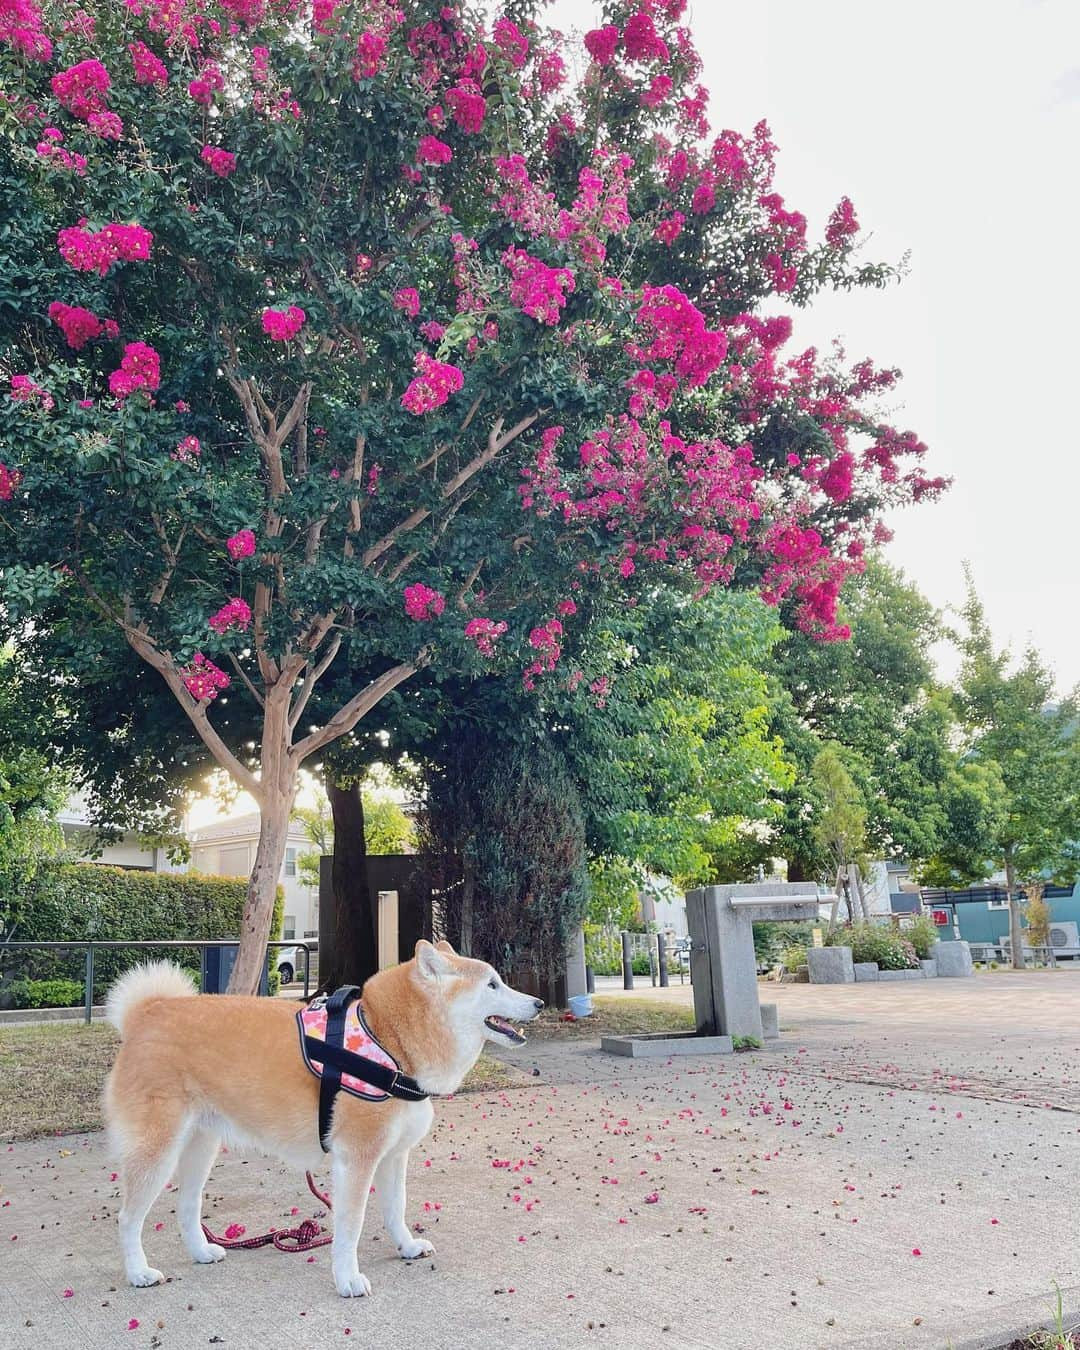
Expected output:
(613, 1016)
(53, 1075)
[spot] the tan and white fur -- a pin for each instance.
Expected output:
(197, 1071)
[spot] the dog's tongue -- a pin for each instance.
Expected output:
(501, 1024)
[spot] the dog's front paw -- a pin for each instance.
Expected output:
(416, 1247)
(208, 1253)
(353, 1286)
(145, 1277)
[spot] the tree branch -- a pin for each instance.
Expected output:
(312, 680)
(350, 713)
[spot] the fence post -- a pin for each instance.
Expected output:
(590, 980)
(661, 957)
(654, 960)
(627, 963)
(88, 980)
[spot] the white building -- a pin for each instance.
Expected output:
(127, 852)
(227, 849)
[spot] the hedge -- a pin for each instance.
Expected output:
(81, 901)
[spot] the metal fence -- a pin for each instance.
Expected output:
(605, 952)
(90, 948)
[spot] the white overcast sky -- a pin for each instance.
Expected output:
(954, 126)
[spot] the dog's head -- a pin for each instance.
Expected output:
(474, 995)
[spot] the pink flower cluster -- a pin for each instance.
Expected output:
(545, 640)
(82, 88)
(679, 335)
(432, 386)
(421, 602)
(511, 42)
(241, 545)
(641, 41)
(96, 250)
(221, 162)
(433, 151)
(537, 289)
(207, 83)
(370, 50)
(236, 614)
(842, 223)
(20, 27)
(602, 44)
(9, 482)
(140, 368)
(149, 69)
(203, 680)
(26, 390)
(50, 148)
(79, 326)
(188, 450)
(408, 300)
(467, 106)
(281, 325)
(485, 633)
(669, 230)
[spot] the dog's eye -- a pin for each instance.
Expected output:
(493, 984)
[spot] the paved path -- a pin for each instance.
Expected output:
(769, 1199)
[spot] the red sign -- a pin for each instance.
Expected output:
(941, 917)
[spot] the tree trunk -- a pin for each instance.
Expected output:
(468, 891)
(354, 954)
(1016, 937)
(261, 892)
(856, 881)
(277, 780)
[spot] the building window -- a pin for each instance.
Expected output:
(997, 904)
(290, 862)
(288, 928)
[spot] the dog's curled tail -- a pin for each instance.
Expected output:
(152, 979)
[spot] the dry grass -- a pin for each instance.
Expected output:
(53, 1074)
(614, 1016)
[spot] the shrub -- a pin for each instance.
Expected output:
(43, 994)
(876, 942)
(922, 933)
(82, 901)
(791, 958)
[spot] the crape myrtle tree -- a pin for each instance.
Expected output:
(355, 326)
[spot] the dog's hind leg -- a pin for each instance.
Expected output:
(352, 1174)
(191, 1173)
(145, 1166)
(390, 1188)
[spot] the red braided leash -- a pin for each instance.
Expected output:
(302, 1238)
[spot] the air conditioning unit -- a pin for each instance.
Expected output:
(1066, 934)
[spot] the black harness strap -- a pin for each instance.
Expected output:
(336, 1060)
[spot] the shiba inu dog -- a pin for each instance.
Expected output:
(197, 1071)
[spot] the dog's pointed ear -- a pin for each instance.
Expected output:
(443, 946)
(430, 962)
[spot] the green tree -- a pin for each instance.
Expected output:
(838, 825)
(339, 338)
(387, 829)
(1017, 730)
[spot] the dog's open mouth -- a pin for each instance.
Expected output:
(503, 1027)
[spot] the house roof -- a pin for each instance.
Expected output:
(241, 827)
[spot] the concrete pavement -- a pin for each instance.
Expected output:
(900, 1171)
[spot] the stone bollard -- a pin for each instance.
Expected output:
(830, 965)
(953, 960)
(770, 1021)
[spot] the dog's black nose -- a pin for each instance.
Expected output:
(539, 1003)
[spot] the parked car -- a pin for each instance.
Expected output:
(286, 964)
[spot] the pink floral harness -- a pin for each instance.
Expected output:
(341, 1051)
(357, 1037)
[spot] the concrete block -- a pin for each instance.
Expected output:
(830, 965)
(865, 970)
(953, 960)
(770, 1021)
(662, 1044)
(900, 975)
(929, 969)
